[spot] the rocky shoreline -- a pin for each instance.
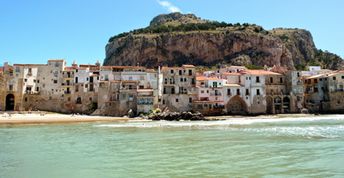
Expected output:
(176, 116)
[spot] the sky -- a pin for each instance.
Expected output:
(33, 31)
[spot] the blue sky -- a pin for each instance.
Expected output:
(37, 30)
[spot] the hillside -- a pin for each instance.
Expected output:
(175, 39)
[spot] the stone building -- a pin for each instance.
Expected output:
(277, 97)
(124, 88)
(210, 97)
(253, 93)
(295, 88)
(324, 93)
(179, 87)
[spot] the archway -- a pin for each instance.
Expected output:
(278, 105)
(269, 105)
(10, 102)
(236, 105)
(286, 104)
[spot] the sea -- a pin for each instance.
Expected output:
(268, 146)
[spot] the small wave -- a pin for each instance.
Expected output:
(228, 122)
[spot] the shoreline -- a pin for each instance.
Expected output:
(54, 118)
(37, 118)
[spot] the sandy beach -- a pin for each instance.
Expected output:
(51, 118)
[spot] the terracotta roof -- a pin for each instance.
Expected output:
(259, 72)
(30, 65)
(89, 65)
(228, 73)
(70, 68)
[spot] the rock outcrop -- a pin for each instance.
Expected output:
(177, 116)
(176, 39)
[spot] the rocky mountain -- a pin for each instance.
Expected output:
(175, 39)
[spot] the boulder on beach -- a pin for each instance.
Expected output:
(177, 116)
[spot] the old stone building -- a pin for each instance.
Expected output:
(179, 87)
(324, 93)
(210, 97)
(116, 90)
(277, 97)
(125, 88)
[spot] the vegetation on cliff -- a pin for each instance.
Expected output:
(175, 39)
(206, 26)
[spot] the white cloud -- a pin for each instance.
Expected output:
(169, 6)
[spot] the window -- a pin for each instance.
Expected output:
(257, 79)
(238, 91)
(247, 92)
(37, 89)
(258, 92)
(334, 78)
(193, 81)
(28, 89)
(190, 72)
(316, 89)
(229, 92)
(55, 81)
(180, 72)
(271, 80)
(281, 80)
(10, 87)
(202, 91)
(25, 80)
(177, 100)
(171, 71)
(76, 79)
(78, 100)
(172, 90)
(190, 100)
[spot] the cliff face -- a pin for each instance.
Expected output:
(179, 39)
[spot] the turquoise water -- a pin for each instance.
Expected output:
(296, 147)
